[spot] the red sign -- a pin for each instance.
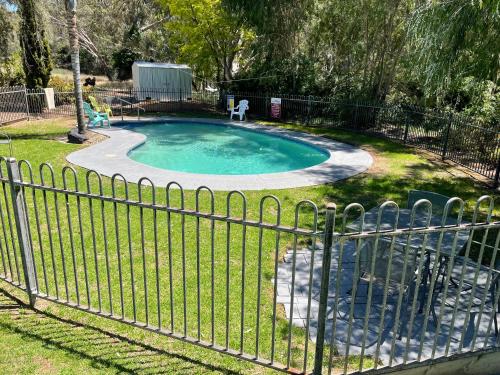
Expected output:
(276, 107)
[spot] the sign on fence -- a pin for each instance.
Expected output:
(230, 102)
(275, 107)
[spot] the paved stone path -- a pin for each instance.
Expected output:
(303, 262)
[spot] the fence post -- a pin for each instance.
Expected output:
(497, 175)
(447, 136)
(407, 128)
(22, 229)
(331, 209)
(266, 107)
(355, 122)
(27, 104)
(308, 117)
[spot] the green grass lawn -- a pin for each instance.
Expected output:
(69, 345)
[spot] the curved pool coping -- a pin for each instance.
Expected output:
(111, 156)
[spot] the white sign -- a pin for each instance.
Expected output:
(49, 98)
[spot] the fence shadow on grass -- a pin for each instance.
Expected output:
(101, 347)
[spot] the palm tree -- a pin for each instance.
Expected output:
(75, 61)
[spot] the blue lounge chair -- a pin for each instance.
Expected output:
(95, 118)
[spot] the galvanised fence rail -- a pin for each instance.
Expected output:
(297, 289)
(451, 136)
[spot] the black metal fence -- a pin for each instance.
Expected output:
(453, 137)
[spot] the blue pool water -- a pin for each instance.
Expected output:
(220, 149)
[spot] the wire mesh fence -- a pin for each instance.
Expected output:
(299, 292)
(451, 136)
(13, 105)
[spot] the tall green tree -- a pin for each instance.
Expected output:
(37, 61)
(206, 36)
(452, 40)
(75, 62)
(11, 71)
(6, 32)
(358, 45)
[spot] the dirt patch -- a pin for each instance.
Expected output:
(94, 137)
(44, 365)
(381, 164)
(42, 304)
(446, 169)
(451, 169)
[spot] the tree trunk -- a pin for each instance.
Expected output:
(75, 64)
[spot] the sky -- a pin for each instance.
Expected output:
(9, 6)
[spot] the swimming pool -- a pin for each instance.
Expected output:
(122, 152)
(221, 149)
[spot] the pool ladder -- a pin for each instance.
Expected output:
(125, 103)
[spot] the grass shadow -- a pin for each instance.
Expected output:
(101, 347)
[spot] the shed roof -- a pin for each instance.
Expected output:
(145, 64)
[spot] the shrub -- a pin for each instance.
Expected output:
(11, 71)
(60, 84)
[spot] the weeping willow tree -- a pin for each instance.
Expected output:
(277, 23)
(452, 40)
(358, 46)
(276, 52)
(37, 61)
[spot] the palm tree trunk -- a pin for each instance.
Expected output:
(75, 63)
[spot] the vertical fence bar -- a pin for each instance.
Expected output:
(446, 138)
(26, 102)
(497, 175)
(331, 209)
(407, 128)
(4, 230)
(70, 230)
(22, 229)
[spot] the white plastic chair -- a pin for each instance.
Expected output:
(240, 109)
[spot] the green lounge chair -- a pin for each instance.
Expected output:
(94, 117)
(103, 108)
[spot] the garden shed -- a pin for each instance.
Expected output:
(161, 81)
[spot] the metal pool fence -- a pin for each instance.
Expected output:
(291, 288)
(451, 136)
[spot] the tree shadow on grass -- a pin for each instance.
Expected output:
(373, 190)
(38, 136)
(103, 348)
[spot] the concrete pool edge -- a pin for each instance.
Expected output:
(111, 156)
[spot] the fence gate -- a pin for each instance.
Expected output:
(287, 288)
